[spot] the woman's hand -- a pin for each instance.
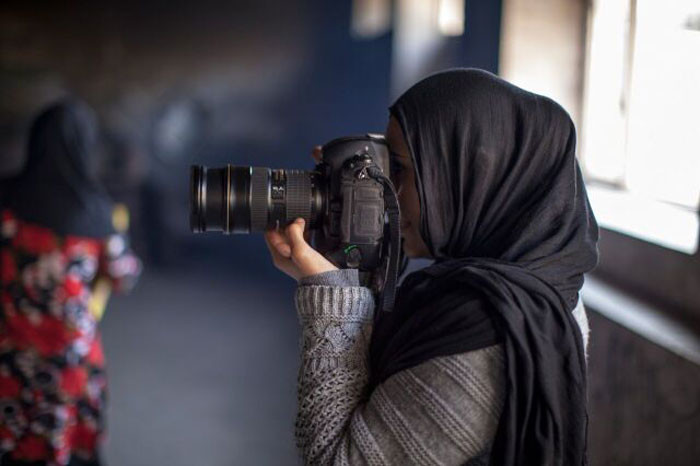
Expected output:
(293, 255)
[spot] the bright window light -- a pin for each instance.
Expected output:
(604, 123)
(370, 18)
(451, 17)
(664, 111)
(640, 127)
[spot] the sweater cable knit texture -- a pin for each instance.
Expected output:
(443, 411)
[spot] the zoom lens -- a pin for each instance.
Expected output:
(247, 199)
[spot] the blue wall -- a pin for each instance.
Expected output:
(305, 80)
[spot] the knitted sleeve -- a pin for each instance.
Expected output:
(443, 411)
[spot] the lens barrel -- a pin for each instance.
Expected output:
(248, 199)
(198, 192)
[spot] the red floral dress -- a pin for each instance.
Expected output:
(52, 379)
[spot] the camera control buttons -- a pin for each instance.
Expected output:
(353, 256)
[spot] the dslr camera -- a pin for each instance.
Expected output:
(348, 202)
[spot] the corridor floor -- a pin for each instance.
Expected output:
(202, 369)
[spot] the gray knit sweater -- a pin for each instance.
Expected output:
(443, 411)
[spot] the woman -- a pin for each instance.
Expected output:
(482, 360)
(56, 241)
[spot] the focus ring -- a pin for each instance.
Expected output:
(298, 195)
(259, 187)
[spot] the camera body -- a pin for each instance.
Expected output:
(352, 232)
(342, 200)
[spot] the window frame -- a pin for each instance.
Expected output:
(610, 197)
(645, 263)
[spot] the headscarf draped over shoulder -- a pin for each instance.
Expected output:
(505, 214)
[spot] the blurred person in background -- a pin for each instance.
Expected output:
(482, 361)
(61, 252)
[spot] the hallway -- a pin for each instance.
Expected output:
(202, 368)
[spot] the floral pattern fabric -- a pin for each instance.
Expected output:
(52, 379)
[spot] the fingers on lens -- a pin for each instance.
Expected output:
(284, 249)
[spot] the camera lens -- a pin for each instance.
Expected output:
(247, 199)
(198, 190)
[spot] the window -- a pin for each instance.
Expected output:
(641, 119)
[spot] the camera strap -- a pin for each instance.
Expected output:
(391, 203)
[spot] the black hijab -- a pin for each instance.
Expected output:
(58, 187)
(504, 212)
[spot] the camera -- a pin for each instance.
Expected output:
(347, 201)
